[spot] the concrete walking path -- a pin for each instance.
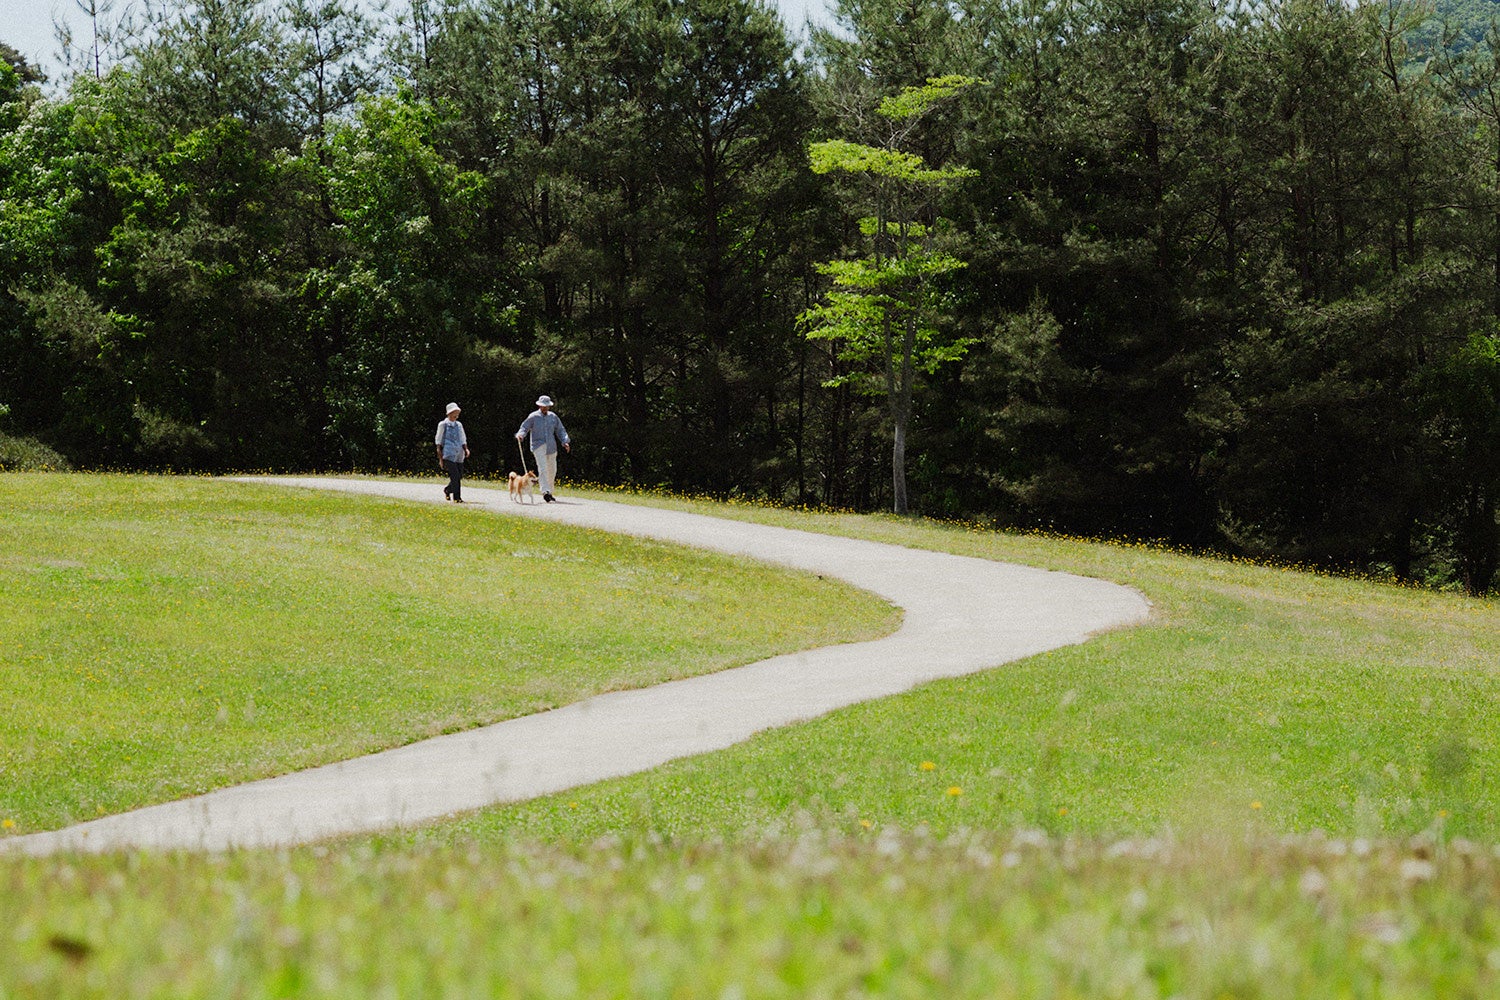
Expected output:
(962, 615)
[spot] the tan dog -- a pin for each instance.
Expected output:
(523, 486)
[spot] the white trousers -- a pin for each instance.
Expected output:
(546, 468)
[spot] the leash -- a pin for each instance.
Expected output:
(522, 450)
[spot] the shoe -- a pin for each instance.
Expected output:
(446, 494)
(457, 500)
(548, 497)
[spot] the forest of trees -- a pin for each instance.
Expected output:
(1223, 275)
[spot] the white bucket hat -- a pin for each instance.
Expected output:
(453, 407)
(545, 401)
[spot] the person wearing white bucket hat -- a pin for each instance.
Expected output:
(547, 432)
(452, 450)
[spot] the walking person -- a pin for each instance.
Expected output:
(547, 432)
(452, 451)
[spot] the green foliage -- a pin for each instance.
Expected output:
(21, 454)
(648, 213)
(884, 309)
(10, 93)
(411, 217)
(866, 301)
(1217, 262)
(1454, 25)
(854, 158)
(201, 61)
(1460, 398)
(13, 62)
(915, 103)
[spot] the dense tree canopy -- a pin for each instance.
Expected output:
(1223, 276)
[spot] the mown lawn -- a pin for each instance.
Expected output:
(1260, 699)
(1283, 787)
(164, 636)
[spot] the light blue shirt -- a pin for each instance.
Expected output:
(450, 436)
(546, 430)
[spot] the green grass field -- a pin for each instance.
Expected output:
(1260, 699)
(163, 637)
(1285, 786)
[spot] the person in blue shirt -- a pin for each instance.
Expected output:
(547, 432)
(452, 450)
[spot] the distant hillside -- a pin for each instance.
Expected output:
(1467, 20)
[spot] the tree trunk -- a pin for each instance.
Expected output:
(898, 467)
(801, 418)
(900, 394)
(1495, 301)
(1481, 542)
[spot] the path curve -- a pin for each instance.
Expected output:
(962, 615)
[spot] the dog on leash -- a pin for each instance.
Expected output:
(523, 486)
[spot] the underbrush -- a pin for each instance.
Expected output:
(24, 454)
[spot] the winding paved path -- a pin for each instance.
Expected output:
(961, 615)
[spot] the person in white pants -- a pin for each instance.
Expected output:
(547, 432)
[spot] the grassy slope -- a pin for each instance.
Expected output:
(825, 860)
(166, 636)
(1261, 699)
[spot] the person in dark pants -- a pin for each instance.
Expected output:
(452, 450)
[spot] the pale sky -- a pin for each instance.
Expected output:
(26, 25)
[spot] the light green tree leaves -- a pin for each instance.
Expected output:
(884, 309)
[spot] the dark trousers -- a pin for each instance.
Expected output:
(455, 472)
